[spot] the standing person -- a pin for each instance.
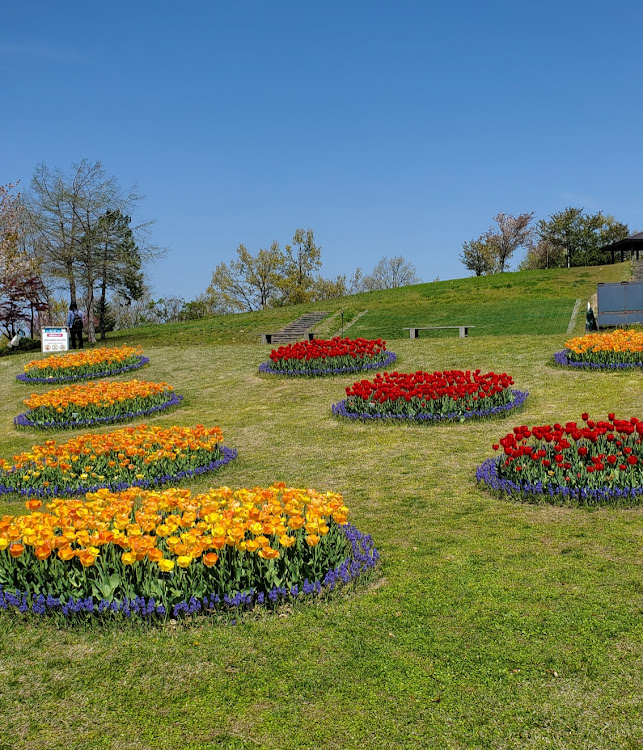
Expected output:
(75, 325)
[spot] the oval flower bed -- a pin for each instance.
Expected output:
(328, 357)
(430, 396)
(174, 553)
(96, 403)
(616, 350)
(595, 464)
(83, 365)
(138, 456)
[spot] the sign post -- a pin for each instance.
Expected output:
(54, 339)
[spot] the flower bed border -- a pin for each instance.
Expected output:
(362, 559)
(24, 378)
(487, 474)
(229, 454)
(339, 410)
(264, 367)
(562, 360)
(22, 420)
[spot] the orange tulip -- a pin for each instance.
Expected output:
(33, 504)
(86, 558)
(43, 552)
(268, 553)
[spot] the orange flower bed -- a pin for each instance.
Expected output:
(143, 456)
(616, 349)
(84, 364)
(156, 550)
(96, 403)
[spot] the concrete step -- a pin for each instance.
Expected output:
(297, 330)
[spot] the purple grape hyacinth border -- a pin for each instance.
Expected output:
(362, 559)
(339, 410)
(229, 454)
(562, 359)
(22, 420)
(23, 377)
(390, 358)
(487, 474)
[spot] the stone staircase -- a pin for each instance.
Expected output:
(637, 270)
(297, 330)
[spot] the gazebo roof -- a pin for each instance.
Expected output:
(633, 240)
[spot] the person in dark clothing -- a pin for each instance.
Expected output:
(75, 325)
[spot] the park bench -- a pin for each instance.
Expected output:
(266, 338)
(413, 332)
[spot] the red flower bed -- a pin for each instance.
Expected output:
(328, 357)
(601, 462)
(430, 395)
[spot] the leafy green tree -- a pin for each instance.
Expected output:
(329, 288)
(579, 236)
(477, 256)
(119, 260)
(247, 283)
(106, 316)
(271, 278)
(302, 262)
(198, 308)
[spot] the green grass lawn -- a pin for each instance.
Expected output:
(492, 624)
(518, 303)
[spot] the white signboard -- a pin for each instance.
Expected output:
(54, 339)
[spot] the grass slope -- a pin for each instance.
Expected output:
(494, 625)
(525, 302)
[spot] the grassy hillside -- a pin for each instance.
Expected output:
(527, 302)
(493, 625)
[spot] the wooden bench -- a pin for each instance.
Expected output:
(266, 338)
(413, 332)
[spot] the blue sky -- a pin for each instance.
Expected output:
(389, 128)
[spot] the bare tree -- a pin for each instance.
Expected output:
(65, 216)
(542, 254)
(512, 232)
(391, 273)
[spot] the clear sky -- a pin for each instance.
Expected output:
(396, 127)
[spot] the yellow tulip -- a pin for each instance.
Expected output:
(128, 558)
